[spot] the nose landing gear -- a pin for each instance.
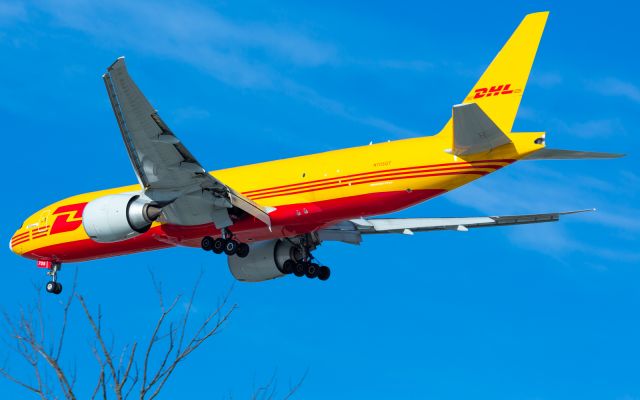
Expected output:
(53, 286)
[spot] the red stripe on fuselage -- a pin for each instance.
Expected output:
(333, 181)
(337, 185)
(459, 164)
(287, 220)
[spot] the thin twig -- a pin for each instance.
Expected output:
(295, 387)
(65, 314)
(105, 351)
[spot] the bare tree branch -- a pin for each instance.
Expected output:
(134, 381)
(105, 351)
(125, 376)
(28, 332)
(100, 376)
(153, 340)
(194, 343)
(293, 389)
(65, 314)
(187, 313)
(174, 337)
(13, 379)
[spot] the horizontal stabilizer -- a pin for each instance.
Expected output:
(554, 154)
(474, 132)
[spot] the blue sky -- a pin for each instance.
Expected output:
(532, 312)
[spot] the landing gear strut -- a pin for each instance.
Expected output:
(225, 244)
(53, 286)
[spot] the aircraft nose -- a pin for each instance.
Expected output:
(18, 238)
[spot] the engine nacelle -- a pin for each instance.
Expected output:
(264, 261)
(118, 217)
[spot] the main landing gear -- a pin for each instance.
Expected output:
(53, 286)
(225, 244)
(306, 268)
(302, 263)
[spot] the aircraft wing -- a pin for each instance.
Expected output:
(351, 231)
(166, 170)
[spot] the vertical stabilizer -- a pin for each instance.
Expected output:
(500, 89)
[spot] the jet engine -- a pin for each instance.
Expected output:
(265, 260)
(118, 217)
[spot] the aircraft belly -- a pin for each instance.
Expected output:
(288, 220)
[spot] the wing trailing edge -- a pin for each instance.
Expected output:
(351, 231)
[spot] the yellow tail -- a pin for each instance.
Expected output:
(500, 89)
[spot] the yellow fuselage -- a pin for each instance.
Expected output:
(308, 192)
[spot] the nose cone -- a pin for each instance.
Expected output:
(17, 241)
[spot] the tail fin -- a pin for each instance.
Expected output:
(500, 88)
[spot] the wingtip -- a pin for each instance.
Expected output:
(118, 61)
(577, 211)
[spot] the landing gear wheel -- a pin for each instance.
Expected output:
(230, 247)
(207, 243)
(311, 270)
(324, 273)
(288, 266)
(243, 250)
(218, 246)
(54, 287)
(299, 268)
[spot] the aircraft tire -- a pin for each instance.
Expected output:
(218, 246)
(311, 270)
(230, 247)
(288, 266)
(243, 250)
(324, 273)
(298, 270)
(53, 287)
(207, 243)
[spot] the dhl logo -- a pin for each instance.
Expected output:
(494, 91)
(68, 218)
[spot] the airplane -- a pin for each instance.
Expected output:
(268, 218)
